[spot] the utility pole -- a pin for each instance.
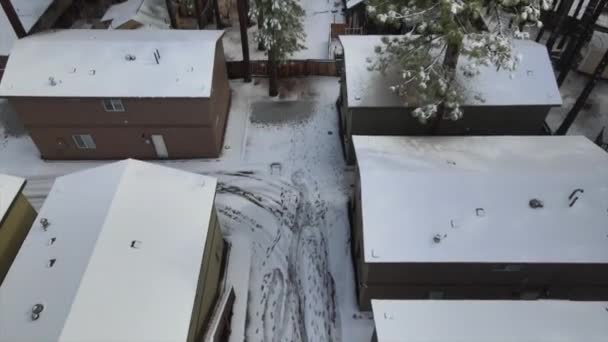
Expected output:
(578, 105)
(581, 36)
(243, 21)
(172, 13)
(13, 18)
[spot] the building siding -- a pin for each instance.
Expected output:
(125, 142)
(13, 230)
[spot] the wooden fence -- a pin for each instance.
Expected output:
(294, 68)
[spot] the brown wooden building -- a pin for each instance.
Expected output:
(480, 218)
(495, 102)
(96, 94)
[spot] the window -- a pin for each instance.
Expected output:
(84, 141)
(113, 105)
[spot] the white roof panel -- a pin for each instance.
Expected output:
(29, 11)
(352, 3)
(149, 13)
(475, 191)
(95, 63)
(533, 83)
(490, 321)
(10, 187)
(130, 238)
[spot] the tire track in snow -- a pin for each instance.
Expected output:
(292, 293)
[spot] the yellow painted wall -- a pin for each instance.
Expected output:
(13, 230)
(209, 280)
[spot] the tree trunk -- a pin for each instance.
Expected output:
(172, 13)
(13, 18)
(242, 10)
(216, 12)
(450, 60)
(261, 46)
(199, 13)
(273, 75)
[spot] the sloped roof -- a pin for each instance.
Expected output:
(10, 187)
(129, 245)
(99, 63)
(149, 13)
(29, 11)
(474, 193)
(533, 83)
(490, 320)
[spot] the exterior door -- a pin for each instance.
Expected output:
(159, 146)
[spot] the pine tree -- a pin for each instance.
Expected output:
(438, 33)
(281, 33)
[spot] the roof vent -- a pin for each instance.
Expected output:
(52, 81)
(536, 203)
(130, 57)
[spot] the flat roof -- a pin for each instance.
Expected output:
(149, 13)
(474, 193)
(111, 63)
(10, 188)
(129, 242)
(533, 83)
(29, 11)
(490, 321)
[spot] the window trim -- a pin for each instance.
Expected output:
(113, 105)
(86, 141)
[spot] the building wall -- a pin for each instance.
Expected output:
(13, 230)
(191, 127)
(209, 280)
(125, 142)
(478, 120)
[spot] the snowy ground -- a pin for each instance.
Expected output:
(319, 16)
(594, 114)
(283, 189)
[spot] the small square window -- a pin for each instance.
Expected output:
(84, 141)
(113, 105)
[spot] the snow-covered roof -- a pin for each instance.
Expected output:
(490, 321)
(352, 3)
(128, 246)
(10, 187)
(533, 83)
(149, 13)
(99, 63)
(474, 193)
(29, 11)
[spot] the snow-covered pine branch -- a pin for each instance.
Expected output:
(282, 31)
(439, 32)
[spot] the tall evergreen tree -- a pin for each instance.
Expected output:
(438, 33)
(281, 33)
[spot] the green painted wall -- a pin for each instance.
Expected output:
(13, 230)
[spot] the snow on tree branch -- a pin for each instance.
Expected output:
(282, 31)
(439, 31)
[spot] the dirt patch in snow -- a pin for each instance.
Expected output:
(280, 113)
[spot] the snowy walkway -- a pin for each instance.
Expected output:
(284, 188)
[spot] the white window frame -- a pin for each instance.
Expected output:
(113, 105)
(84, 141)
